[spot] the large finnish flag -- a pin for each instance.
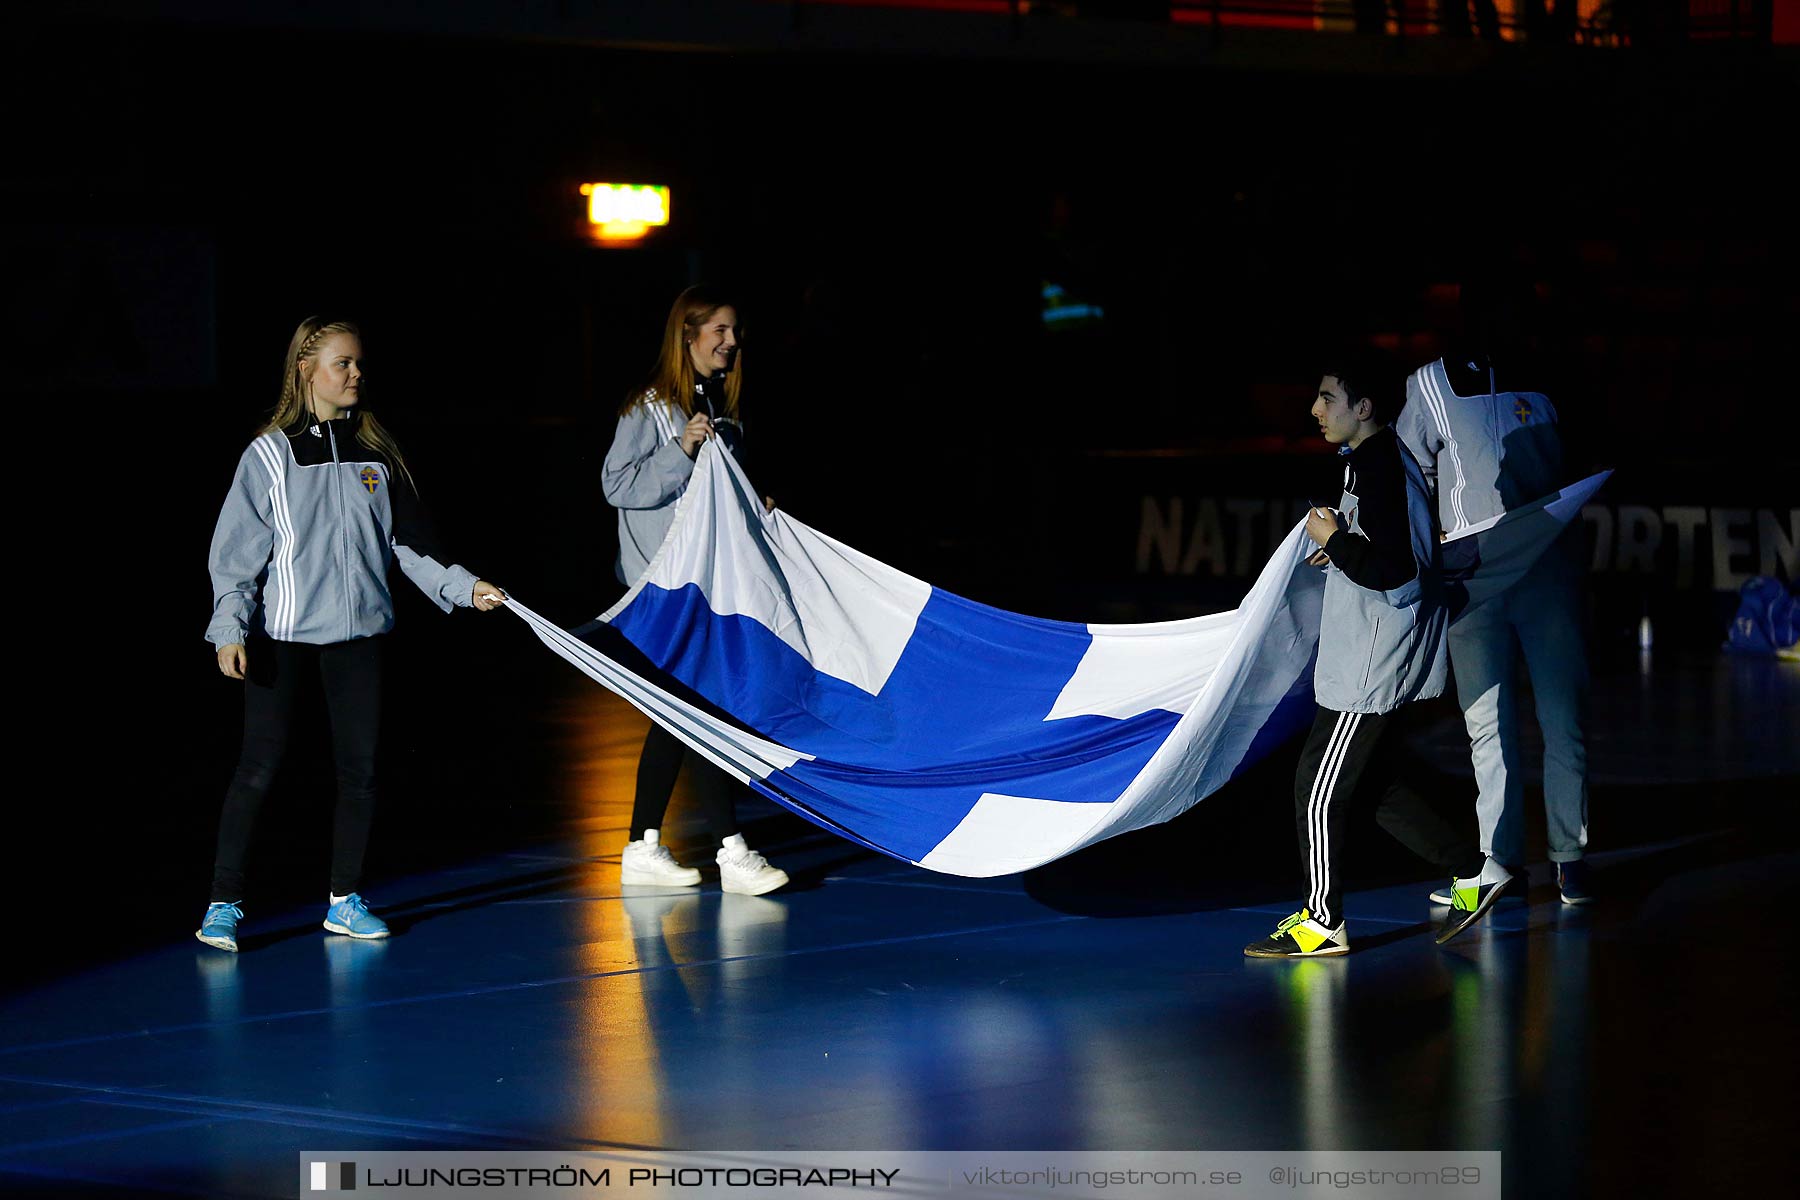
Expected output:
(952, 735)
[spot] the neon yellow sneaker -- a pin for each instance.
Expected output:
(1299, 936)
(1470, 900)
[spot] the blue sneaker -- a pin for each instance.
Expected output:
(1573, 882)
(350, 916)
(219, 926)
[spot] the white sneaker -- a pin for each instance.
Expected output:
(649, 862)
(744, 871)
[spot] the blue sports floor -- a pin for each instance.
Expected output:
(528, 1001)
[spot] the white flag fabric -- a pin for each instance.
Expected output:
(956, 736)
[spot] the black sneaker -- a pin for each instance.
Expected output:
(1299, 936)
(1573, 882)
(1469, 901)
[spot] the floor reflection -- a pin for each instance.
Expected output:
(1483, 1045)
(528, 1000)
(683, 1014)
(1313, 995)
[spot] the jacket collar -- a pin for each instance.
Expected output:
(1386, 431)
(340, 427)
(711, 389)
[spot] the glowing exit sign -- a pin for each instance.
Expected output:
(625, 211)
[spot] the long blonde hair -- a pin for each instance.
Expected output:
(673, 379)
(294, 411)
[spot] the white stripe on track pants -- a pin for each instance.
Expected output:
(1343, 751)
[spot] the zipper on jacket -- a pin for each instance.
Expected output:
(1494, 416)
(337, 492)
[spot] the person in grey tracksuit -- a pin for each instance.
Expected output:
(1381, 646)
(691, 399)
(648, 465)
(309, 527)
(1485, 451)
(320, 506)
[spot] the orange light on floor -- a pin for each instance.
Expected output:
(625, 212)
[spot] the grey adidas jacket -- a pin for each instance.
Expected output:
(1382, 646)
(646, 471)
(305, 538)
(1485, 454)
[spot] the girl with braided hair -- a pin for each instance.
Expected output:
(322, 503)
(691, 398)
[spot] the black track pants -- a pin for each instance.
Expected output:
(350, 674)
(658, 766)
(1343, 751)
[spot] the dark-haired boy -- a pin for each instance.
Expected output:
(1381, 646)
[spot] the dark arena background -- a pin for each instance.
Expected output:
(1035, 299)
